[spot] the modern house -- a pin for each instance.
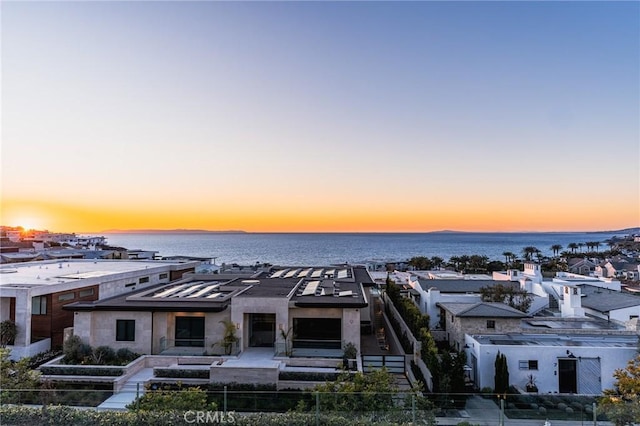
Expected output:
(33, 294)
(304, 310)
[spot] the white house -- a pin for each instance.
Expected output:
(560, 363)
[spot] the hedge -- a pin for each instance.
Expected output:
(60, 415)
(181, 373)
(306, 376)
(81, 371)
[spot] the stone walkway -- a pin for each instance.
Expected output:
(129, 392)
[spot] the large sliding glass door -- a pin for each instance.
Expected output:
(189, 331)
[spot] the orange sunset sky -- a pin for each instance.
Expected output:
(321, 117)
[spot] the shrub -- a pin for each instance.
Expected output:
(568, 410)
(542, 410)
(562, 406)
(126, 355)
(183, 399)
(182, 373)
(75, 350)
(103, 355)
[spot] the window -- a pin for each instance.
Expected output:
(164, 276)
(491, 324)
(531, 364)
(130, 285)
(39, 305)
(143, 280)
(87, 292)
(66, 296)
(125, 330)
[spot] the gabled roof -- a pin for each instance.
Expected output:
(482, 310)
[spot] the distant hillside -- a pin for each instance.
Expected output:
(618, 231)
(169, 231)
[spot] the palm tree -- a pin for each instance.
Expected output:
(580, 245)
(596, 244)
(437, 262)
(529, 251)
(573, 247)
(556, 249)
(508, 256)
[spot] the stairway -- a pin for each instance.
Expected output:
(132, 388)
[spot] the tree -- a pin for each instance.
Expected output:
(622, 404)
(8, 332)
(573, 247)
(508, 257)
(437, 262)
(501, 378)
(420, 263)
(529, 251)
(556, 249)
(16, 378)
(373, 391)
(167, 399)
(514, 297)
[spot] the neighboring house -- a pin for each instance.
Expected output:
(458, 319)
(33, 294)
(609, 304)
(581, 266)
(618, 269)
(560, 363)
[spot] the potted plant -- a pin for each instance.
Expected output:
(349, 356)
(229, 337)
(531, 384)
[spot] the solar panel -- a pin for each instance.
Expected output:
(310, 288)
(291, 273)
(213, 296)
(203, 291)
(316, 273)
(304, 273)
(345, 293)
(188, 290)
(342, 273)
(278, 273)
(169, 291)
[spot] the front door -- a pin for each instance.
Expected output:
(262, 330)
(567, 378)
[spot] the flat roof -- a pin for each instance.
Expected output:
(197, 295)
(463, 286)
(329, 293)
(605, 300)
(559, 323)
(583, 340)
(50, 272)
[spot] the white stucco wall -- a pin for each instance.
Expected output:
(611, 358)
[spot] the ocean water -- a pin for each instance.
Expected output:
(326, 248)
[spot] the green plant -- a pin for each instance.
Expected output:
(75, 350)
(285, 337)
(229, 337)
(8, 332)
(183, 399)
(126, 355)
(531, 384)
(501, 378)
(103, 355)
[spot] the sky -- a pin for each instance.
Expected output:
(320, 116)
